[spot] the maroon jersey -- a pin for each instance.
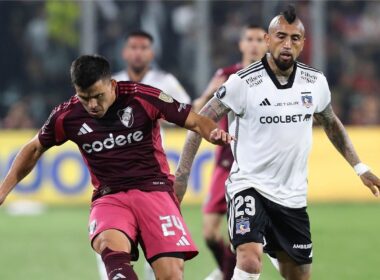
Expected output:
(223, 154)
(123, 148)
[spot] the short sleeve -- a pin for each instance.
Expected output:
(171, 110)
(233, 94)
(52, 132)
(324, 95)
(163, 106)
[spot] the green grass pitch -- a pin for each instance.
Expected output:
(54, 245)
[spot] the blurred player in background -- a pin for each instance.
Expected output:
(138, 56)
(115, 126)
(273, 102)
(252, 47)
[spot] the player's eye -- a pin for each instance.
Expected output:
(85, 99)
(296, 38)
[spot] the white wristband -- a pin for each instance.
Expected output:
(361, 168)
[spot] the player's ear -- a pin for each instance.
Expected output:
(125, 51)
(151, 54)
(266, 38)
(241, 46)
(113, 83)
(303, 43)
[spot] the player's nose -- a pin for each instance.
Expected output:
(287, 43)
(92, 103)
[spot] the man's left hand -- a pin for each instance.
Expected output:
(372, 182)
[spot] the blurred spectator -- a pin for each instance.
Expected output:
(18, 117)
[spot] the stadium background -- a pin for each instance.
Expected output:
(193, 39)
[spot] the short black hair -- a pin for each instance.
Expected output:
(289, 14)
(250, 26)
(253, 26)
(140, 33)
(88, 69)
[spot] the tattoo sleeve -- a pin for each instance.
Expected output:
(337, 134)
(215, 110)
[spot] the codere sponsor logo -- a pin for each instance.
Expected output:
(111, 141)
(285, 119)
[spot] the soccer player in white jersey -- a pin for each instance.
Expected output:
(273, 103)
(252, 47)
(138, 55)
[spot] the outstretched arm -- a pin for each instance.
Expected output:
(24, 162)
(213, 86)
(214, 110)
(339, 137)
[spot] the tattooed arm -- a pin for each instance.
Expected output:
(339, 137)
(215, 110)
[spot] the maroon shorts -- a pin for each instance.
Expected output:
(151, 219)
(216, 201)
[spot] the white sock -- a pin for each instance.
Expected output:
(242, 275)
(274, 261)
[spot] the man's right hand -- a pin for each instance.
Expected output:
(220, 137)
(179, 191)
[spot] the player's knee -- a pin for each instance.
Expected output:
(115, 240)
(211, 227)
(296, 272)
(210, 234)
(249, 258)
(105, 243)
(172, 271)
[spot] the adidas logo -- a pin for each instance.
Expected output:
(119, 276)
(265, 102)
(183, 242)
(84, 129)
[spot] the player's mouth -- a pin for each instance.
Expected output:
(94, 113)
(286, 56)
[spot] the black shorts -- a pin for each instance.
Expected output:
(253, 218)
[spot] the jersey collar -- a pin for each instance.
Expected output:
(271, 74)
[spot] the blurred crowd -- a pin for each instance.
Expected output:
(41, 38)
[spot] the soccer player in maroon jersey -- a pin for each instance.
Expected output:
(252, 47)
(115, 125)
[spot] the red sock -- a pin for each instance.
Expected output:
(229, 262)
(118, 265)
(217, 249)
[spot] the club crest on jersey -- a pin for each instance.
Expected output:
(242, 226)
(307, 101)
(126, 116)
(165, 97)
(221, 92)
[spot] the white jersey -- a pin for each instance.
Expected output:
(161, 80)
(273, 127)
